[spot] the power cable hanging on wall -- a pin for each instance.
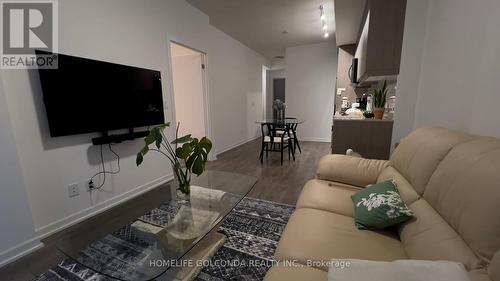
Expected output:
(104, 172)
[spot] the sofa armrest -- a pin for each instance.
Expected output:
(350, 170)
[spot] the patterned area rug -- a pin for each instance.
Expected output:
(253, 230)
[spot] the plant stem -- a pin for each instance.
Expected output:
(159, 151)
(167, 145)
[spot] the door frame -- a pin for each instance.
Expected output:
(205, 88)
(264, 91)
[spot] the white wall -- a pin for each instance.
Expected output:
(16, 223)
(411, 64)
(460, 70)
(461, 67)
(188, 94)
(235, 74)
(137, 34)
(277, 73)
(278, 63)
(311, 72)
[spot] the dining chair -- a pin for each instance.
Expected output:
(270, 139)
(293, 133)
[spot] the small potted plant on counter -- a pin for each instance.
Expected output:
(380, 97)
(188, 155)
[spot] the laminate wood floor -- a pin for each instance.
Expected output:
(277, 183)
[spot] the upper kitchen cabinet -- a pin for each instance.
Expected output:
(380, 40)
(376, 27)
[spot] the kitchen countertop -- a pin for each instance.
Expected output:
(337, 118)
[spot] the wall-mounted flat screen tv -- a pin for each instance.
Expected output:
(85, 95)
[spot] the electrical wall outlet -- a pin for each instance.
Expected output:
(73, 190)
(89, 185)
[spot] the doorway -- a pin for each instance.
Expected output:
(189, 88)
(275, 89)
(279, 89)
(278, 92)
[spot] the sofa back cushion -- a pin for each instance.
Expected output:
(406, 190)
(418, 154)
(465, 191)
(349, 169)
(429, 237)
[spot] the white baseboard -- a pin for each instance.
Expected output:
(314, 139)
(229, 147)
(19, 251)
(79, 216)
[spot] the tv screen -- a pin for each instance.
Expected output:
(84, 95)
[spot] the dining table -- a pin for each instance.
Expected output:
(287, 124)
(281, 122)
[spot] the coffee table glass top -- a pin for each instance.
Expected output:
(134, 251)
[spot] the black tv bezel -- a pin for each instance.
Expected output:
(126, 136)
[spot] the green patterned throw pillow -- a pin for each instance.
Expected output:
(379, 206)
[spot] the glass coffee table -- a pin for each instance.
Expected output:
(169, 242)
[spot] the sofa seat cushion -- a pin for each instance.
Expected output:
(400, 270)
(479, 275)
(494, 267)
(282, 272)
(328, 196)
(319, 236)
(429, 237)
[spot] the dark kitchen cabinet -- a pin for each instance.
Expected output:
(380, 40)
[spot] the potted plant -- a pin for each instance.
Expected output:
(280, 107)
(379, 99)
(188, 155)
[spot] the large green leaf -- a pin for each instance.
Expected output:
(206, 144)
(196, 161)
(198, 166)
(157, 136)
(194, 142)
(184, 151)
(190, 161)
(163, 126)
(203, 154)
(194, 151)
(150, 138)
(186, 138)
(139, 159)
(144, 150)
(154, 137)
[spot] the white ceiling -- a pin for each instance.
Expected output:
(259, 24)
(348, 16)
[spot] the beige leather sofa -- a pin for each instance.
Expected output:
(449, 179)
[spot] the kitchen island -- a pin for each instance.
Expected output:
(369, 137)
